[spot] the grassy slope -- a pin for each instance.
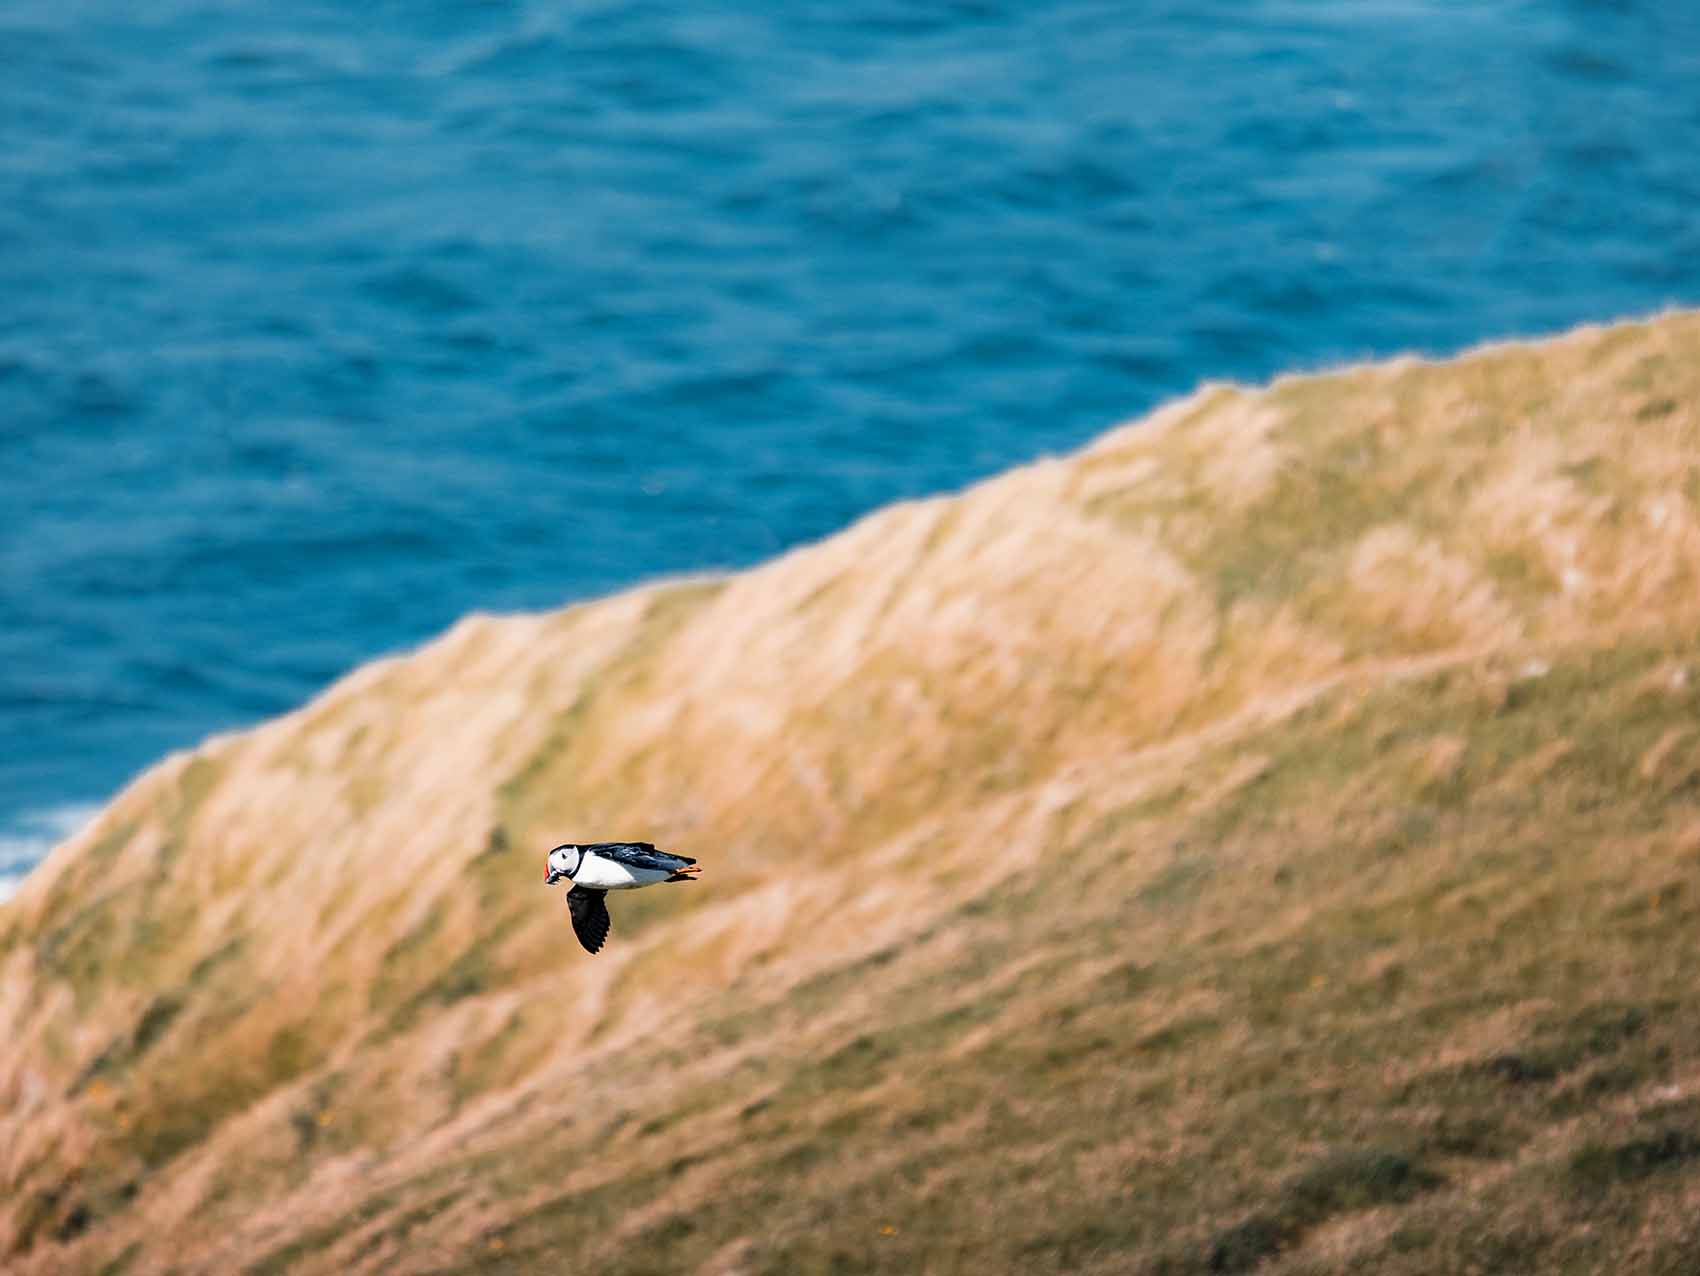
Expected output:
(1262, 840)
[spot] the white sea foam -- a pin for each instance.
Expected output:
(26, 840)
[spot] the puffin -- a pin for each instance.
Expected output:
(595, 868)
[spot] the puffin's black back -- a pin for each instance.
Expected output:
(639, 855)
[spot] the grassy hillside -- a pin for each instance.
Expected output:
(1265, 840)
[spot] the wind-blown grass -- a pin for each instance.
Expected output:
(1261, 841)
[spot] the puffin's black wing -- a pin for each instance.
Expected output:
(639, 855)
(590, 917)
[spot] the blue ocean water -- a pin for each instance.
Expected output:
(322, 324)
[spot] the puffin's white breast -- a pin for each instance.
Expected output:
(598, 874)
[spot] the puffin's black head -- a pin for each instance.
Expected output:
(562, 862)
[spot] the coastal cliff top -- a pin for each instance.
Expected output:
(1262, 838)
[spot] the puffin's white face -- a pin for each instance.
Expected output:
(563, 862)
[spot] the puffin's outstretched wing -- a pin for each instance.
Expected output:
(590, 917)
(640, 855)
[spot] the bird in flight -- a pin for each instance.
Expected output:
(595, 868)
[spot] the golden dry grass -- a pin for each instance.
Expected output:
(1262, 839)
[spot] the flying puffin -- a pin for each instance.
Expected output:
(595, 868)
